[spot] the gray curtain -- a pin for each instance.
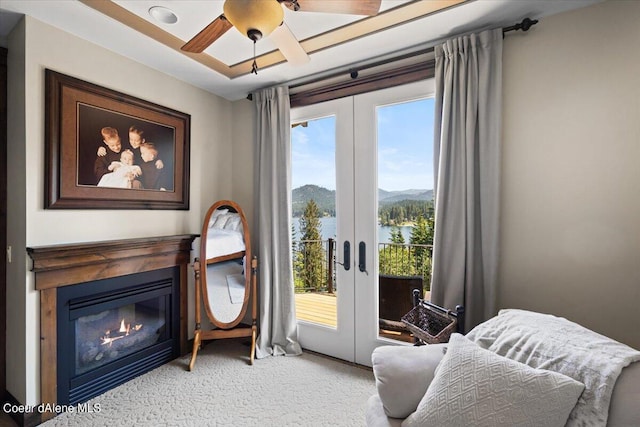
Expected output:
(467, 173)
(278, 333)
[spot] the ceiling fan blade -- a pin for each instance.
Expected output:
(360, 7)
(286, 42)
(208, 35)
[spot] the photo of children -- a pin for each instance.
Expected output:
(111, 139)
(152, 176)
(124, 173)
(103, 163)
(136, 140)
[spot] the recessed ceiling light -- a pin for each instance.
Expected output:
(163, 14)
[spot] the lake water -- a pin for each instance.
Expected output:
(328, 225)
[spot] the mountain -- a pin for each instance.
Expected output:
(385, 197)
(325, 199)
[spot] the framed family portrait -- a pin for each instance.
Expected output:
(108, 150)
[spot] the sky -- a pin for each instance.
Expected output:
(405, 148)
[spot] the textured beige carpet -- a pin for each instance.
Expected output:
(224, 390)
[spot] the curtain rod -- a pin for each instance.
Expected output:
(524, 25)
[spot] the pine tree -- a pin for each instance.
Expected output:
(422, 234)
(396, 235)
(312, 253)
(297, 261)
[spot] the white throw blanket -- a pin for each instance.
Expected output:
(556, 344)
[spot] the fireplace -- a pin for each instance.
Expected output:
(89, 292)
(112, 330)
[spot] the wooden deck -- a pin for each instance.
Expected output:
(317, 308)
(321, 308)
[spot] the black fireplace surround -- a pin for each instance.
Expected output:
(112, 330)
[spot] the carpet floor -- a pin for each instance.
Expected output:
(224, 390)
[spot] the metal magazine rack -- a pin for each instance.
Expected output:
(431, 323)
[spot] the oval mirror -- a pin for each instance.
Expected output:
(225, 270)
(225, 276)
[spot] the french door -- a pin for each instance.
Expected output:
(335, 162)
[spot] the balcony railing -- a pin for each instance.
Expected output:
(404, 260)
(314, 263)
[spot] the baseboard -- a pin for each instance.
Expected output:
(18, 412)
(326, 356)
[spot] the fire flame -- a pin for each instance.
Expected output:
(125, 329)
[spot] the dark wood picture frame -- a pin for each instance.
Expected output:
(77, 115)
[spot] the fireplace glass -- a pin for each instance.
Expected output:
(112, 330)
(112, 334)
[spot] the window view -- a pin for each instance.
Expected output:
(405, 213)
(314, 219)
(405, 210)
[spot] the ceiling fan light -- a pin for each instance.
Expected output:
(254, 18)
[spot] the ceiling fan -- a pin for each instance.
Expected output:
(260, 18)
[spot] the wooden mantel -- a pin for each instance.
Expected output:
(62, 265)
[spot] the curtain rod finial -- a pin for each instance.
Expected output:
(527, 23)
(524, 25)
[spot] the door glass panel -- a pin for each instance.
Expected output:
(405, 210)
(313, 176)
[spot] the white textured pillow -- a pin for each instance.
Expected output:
(215, 215)
(475, 387)
(218, 212)
(233, 223)
(403, 375)
(220, 222)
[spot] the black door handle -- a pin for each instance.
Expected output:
(362, 254)
(346, 255)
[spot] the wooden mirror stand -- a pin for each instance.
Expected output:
(225, 277)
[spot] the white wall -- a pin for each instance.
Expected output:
(16, 360)
(243, 156)
(43, 47)
(571, 169)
